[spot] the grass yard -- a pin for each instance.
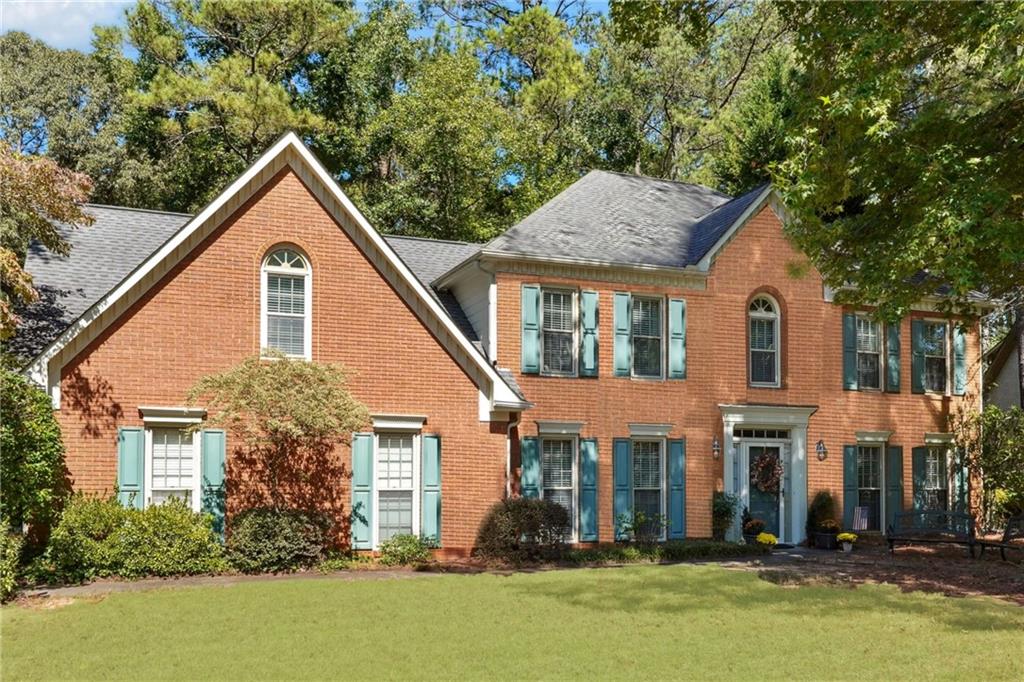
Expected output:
(684, 621)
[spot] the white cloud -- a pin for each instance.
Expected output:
(60, 23)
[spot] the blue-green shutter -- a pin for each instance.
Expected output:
(917, 356)
(588, 490)
(214, 456)
(588, 333)
(677, 489)
(430, 472)
(962, 482)
(362, 491)
(850, 494)
(530, 313)
(918, 456)
(676, 338)
(529, 482)
(131, 447)
(959, 360)
(892, 358)
(849, 351)
(623, 331)
(893, 483)
(622, 477)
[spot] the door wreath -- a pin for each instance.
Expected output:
(766, 474)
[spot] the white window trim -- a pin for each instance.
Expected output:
(649, 431)
(574, 521)
(882, 347)
(557, 428)
(265, 270)
(147, 474)
(663, 466)
(873, 437)
(883, 455)
(947, 448)
(776, 318)
(663, 346)
(574, 297)
(172, 415)
(398, 422)
(948, 343)
(417, 485)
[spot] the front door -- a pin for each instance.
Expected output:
(765, 485)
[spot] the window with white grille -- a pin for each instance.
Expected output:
(173, 464)
(396, 485)
(936, 479)
(286, 297)
(648, 479)
(558, 338)
(869, 483)
(647, 334)
(935, 345)
(558, 457)
(869, 353)
(764, 342)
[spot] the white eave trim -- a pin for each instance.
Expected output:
(398, 422)
(767, 415)
(559, 428)
(704, 264)
(649, 430)
(873, 436)
(153, 414)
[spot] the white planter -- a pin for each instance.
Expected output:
(847, 546)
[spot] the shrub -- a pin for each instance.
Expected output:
(675, 550)
(10, 554)
(98, 537)
(829, 526)
(822, 508)
(753, 527)
(642, 528)
(522, 529)
(723, 510)
(276, 540)
(403, 550)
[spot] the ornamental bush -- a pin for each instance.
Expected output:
(821, 510)
(10, 554)
(82, 545)
(723, 511)
(404, 550)
(267, 539)
(674, 550)
(521, 530)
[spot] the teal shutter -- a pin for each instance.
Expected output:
(959, 360)
(622, 475)
(677, 489)
(917, 472)
(893, 483)
(588, 490)
(917, 356)
(676, 338)
(850, 494)
(362, 491)
(892, 358)
(213, 500)
(623, 331)
(430, 472)
(529, 482)
(530, 313)
(849, 351)
(962, 481)
(131, 445)
(588, 334)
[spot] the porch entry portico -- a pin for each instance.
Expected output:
(759, 436)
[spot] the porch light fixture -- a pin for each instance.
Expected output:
(821, 450)
(716, 448)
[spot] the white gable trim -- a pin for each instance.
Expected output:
(288, 151)
(704, 264)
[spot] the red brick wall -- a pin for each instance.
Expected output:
(204, 317)
(756, 260)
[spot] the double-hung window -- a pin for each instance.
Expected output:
(647, 333)
(763, 317)
(935, 342)
(397, 507)
(936, 478)
(869, 483)
(558, 476)
(286, 297)
(558, 337)
(648, 482)
(869, 353)
(173, 465)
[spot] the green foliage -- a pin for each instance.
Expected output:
(98, 537)
(674, 550)
(10, 559)
(404, 550)
(723, 511)
(521, 530)
(822, 509)
(33, 483)
(641, 527)
(993, 444)
(276, 540)
(905, 150)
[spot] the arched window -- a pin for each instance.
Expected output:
(763, 315)
(286, 302)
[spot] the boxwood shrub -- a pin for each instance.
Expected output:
(10, 555)
(267, 539)
(404, 550)
(521, 530)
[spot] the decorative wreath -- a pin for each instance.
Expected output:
(766, 473)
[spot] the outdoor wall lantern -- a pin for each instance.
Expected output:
(821, 450)
(716, 448)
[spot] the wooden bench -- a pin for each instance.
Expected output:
(1014, 531)
(931, 527)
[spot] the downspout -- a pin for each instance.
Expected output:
(512, 423)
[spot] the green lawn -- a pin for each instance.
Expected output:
(682, 621)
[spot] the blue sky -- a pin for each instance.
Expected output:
(60, 23)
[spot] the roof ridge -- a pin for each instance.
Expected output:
(429, 239)
(657, 179)
(759, 188)
(140, 210)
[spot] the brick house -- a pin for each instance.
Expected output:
(633, 344)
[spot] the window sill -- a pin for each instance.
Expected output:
(752, 385)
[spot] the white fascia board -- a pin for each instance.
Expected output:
(704, 264)
(590, 262)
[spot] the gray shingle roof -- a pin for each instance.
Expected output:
(618, 218)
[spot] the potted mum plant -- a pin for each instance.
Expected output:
(751, 527)
(825, 535)
(847, 539)
(766, 541)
